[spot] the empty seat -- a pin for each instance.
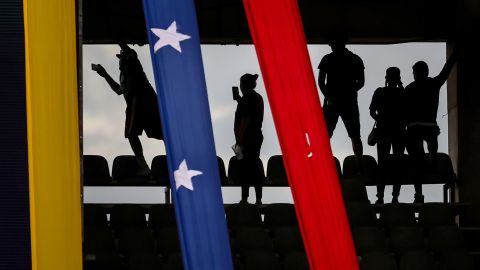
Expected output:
(440, 171)
(262, 261)
(361, 214)
(353, 189)
(280, 215)
(378, 261)
(287, 239)
(369, 239)
(98, 241)
(234, 175)
(417, 260)
(397, 215)
(94, 215)
(456, 260)
(368, 171)
(168, 241)
(250, 240)
(296, 261)
(276, 174)
(243, 215)
(159, 169)
(125, 171)
(443, 239)
(162, 216)
(436, 214)
(136, 241)
(95, 171)
(127, 216)
(145, 262)
(406, 239)
(222, 171)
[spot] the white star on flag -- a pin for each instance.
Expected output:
(168, 37)
(183, 176)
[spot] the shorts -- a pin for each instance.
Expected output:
(143, 114)
(348, 111)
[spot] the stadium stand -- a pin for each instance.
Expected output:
(95, 171)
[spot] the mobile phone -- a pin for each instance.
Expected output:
(236, 94)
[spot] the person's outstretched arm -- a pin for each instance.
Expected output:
(443, 75)
(113, 84)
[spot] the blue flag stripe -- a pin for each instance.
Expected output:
(188, 134)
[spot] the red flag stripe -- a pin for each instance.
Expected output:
(281, 48)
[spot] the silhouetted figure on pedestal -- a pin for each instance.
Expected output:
(422, 102)
(142, 108)
(387, 108)
(341, 76)
(249, 137)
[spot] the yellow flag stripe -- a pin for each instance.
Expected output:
(53, 137)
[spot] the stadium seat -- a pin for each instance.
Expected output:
(296, 261)
(234, 176)
(168, 241)
(417, 260)
(94, 215)
(145, 262)
(361, 214)
(162, 216)
(287, 239)
(136, 241)
(280, 215)
(396, 215)
(95, 171)
(444, 239)
(98, 241)
(262, 261)
(222, 171)
(369, 239)
(353, 189)
(125, 216)
(250, 240)
(456, 260)
(436, 214)
(159, 169)
(243, 215)
(406, 239)
(378, 261)
(276, 174)
(368, 171)
(124, 172)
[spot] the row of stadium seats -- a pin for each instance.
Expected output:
(399, 168)
(396, 238)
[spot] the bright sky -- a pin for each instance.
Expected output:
(103, 110)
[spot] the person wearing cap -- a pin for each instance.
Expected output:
(341, 76)
(249, 137)
(387, 110)
(421, 97)
(142, 113)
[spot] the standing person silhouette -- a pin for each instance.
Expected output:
(341, 76)
(249, 137)
(387, 110)
(421, 98)
(142, 108)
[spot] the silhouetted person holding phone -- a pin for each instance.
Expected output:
(387, 108)
(248, 136)
(142, 112)
(341, 76)
(422, 103)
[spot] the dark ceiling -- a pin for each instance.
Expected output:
(224, 21)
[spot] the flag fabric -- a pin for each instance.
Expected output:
(277, 32)
(191, 157)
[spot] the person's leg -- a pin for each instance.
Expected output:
(138, 151)
(383, 148)
(357, 147)
(330, 113)
(416, 151)
(432, 145)
(351, 119)
(245, 191)
(398, 148)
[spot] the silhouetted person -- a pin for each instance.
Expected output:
(142, 108)
(387, 108)
(340, 77)
(249, 137)
(422, 103)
